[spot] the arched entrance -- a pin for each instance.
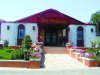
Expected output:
(21, 34)
(80, 38)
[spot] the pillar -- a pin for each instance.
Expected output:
(67, 34)
(38, 34)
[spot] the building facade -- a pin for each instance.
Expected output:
(51, 26)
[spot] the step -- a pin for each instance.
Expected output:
(55, 50)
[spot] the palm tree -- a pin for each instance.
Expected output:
(95, 19)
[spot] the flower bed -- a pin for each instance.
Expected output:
(14, 58)
(85, 56)
(90, 62)
(26, 55)
(9, 60)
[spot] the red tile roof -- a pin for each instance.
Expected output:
(50, 13)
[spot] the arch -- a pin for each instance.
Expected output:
(80, 37)
(21, 34)
(21, 26)
(80, 28)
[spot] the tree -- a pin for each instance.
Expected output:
(95, 19)
(27, 42)
(26, 45)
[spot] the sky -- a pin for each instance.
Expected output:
(12, 10)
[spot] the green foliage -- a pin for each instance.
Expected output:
(95, 19)
(94, 57)
(11, 54)
(1, 46)
(26, 45)
(27, 42)
(93, 50)
(99, 44)
(6, 43)
(93, 44)
(4, 54)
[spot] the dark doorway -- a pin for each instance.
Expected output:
(80, 38)
(51, 37)
(21, 34)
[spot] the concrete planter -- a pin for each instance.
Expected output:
(34, 64)
(73, 54)
(79, 58)
(90, 62)
(34, 59)
(86, 61)
(20, 63)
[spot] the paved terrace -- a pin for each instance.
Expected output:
(62, 61)
(55, 64)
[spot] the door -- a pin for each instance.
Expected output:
(51, 38)
(80, 38)
(21, 34)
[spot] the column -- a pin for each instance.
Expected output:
(66, 34)
(38, 34)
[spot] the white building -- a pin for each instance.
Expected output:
(54, 27)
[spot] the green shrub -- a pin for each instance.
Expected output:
(6, 43)
(1, 57)
(27, 42)
(4, 54)
(26, 45)
(95, 57)
(13, 57)
(93, 44)
(93, 50)
(12, 54)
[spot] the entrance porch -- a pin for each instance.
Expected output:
(53, 34)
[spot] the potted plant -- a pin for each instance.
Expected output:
(68, 45)
(91, 57)
(35, 53)
(36, 56)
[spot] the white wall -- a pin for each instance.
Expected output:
(88, 35)
(8, 34)
(72, 34)
(33, 33)
(11, 34)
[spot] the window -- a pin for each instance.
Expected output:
(8, 27)
(91, 29)
(33, 27)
